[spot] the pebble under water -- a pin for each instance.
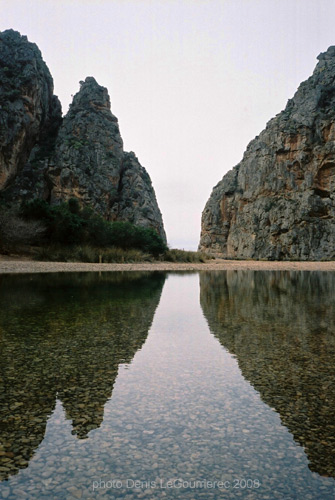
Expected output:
(155, 385)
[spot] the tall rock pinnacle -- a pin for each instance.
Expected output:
(89, 163)
(43, 155)
(279, 201)
(88, 155)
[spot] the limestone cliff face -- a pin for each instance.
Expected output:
(89, 163)
(81, 155)
(29, 112)
(137, 200)
(279, 201)
(88, 154)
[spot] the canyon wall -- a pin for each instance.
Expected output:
(278, 203)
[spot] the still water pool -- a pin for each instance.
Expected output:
(154, 385)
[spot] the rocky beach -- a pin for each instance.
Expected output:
(17, 265)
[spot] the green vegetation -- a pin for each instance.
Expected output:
(67, 224)
(88, 253)
(175, 255)
(69, 233)
(76, 143)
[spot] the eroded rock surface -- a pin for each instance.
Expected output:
(29, 112)
(87, 160)
(80, 156)
(137, 200)
(279, 201)
(89, 164)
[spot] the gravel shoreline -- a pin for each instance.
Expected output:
(12, 265)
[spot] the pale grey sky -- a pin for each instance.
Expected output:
(191, 81)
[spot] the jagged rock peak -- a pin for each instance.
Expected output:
(17, 46)
(330, 53)
(279, 201)
(87, 160)
(80, 156)
(89, 163)
(91, 95)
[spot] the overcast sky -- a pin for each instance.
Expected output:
(191, 81)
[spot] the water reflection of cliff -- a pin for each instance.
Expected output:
(65, 336)
(281, 327)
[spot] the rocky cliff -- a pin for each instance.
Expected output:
(80, 156)
(279, 201)
(29, 112)
(89, 163)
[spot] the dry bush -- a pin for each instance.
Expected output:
(176, 255)
(88, 253)
(15, 231)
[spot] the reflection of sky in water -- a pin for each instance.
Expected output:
(179, 409)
